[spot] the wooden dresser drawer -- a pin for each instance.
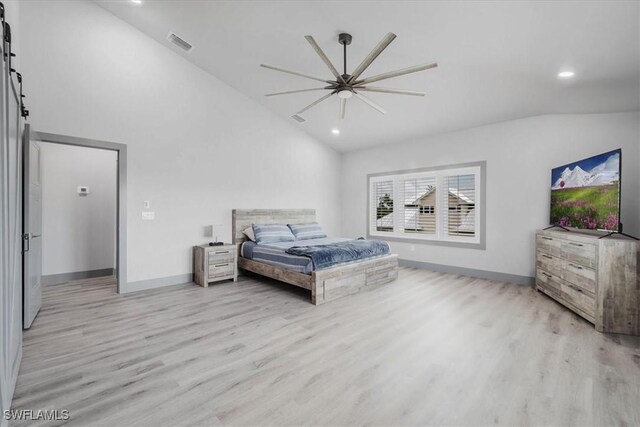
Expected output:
(549, 245)
(583, 254)
(580, 276)
(580, 299)
(548, 282)
(550, 263)
(221, 270)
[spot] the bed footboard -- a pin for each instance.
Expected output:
(348, 279)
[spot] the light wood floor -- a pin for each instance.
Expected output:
(430, 348)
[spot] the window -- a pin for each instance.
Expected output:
(439, 205)
(383, 195)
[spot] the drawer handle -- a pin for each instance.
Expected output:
(575, 266)
(222, 252)
(576, 244)
(547, 238)
(547, 256)
(547, 274)
(221, 265)
(575, 288)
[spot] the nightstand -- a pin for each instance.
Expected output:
(215, 263)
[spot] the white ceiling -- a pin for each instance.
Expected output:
(497, 60)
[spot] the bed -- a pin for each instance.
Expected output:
(326, 284)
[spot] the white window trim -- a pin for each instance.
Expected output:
(441, 237)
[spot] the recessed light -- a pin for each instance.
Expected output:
(335, 131)
(566, 74)
(136, 1)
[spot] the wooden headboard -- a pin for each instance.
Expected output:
(243, 218)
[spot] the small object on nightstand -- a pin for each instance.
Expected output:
(216, 243)
(213, 263)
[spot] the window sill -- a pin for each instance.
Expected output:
(468, 245)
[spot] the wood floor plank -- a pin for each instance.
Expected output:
(429, 349)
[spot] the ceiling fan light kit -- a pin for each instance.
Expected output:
(347, 85)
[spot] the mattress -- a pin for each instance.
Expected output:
(274, 253)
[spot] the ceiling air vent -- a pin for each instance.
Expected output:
(180, 42)
(298, 118)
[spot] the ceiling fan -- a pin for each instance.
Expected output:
(348, 85)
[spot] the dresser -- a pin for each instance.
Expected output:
(599, 279)
(215, 263)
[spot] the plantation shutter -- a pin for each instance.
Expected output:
(419, 204)
(382, 206)
(459, 207)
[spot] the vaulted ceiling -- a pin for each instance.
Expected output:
(497, 60)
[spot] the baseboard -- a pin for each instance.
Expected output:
(481, 274)
(143, 285)
(55, 279)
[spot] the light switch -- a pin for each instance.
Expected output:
(148, 216)
(146, 204)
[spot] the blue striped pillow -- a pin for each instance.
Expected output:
(272, 233)
(311, 230)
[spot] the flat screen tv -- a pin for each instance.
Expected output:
(586, 194)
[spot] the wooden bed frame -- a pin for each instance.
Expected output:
(325, 285)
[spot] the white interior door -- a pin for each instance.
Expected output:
(32, 228)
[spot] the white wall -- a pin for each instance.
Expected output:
(520, 155)
(196, 147)
(78, 232)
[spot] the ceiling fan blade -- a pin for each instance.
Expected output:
(369, 102)
(295, 73)
(324, 57)
(314, 103)
(296, 91)
(343, 106)
(372, 56)
(394, 91)
(397, 73)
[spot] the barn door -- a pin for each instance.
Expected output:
(11, 229)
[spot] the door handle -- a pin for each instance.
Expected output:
(26, 238)
(33, 236)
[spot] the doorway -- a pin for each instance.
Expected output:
(78, 187)
(71, 217)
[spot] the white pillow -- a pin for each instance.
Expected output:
(249, 233)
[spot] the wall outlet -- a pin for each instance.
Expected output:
(148, 216)
(412, 248)
(146, 204)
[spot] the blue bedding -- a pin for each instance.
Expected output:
(275, 253)
(328, 255)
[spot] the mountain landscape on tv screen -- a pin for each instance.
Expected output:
(604, 173)
(586, 194)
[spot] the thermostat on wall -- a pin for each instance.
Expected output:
(83, 191)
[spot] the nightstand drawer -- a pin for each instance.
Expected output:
(221, 256)
(221, 270)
